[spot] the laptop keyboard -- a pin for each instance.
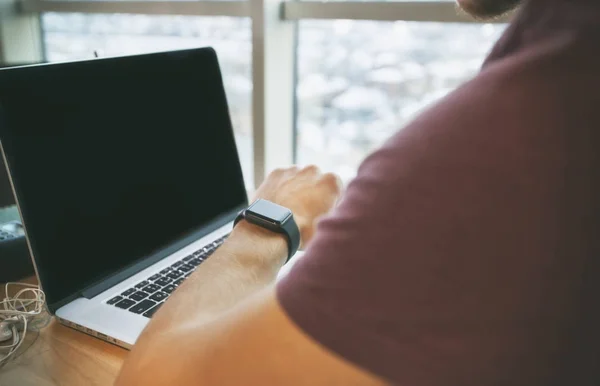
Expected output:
(148, 295)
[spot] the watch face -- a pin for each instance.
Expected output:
(269, 211)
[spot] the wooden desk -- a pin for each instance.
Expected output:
(62, 356)
(65, 357)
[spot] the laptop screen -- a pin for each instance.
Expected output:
(114, 159)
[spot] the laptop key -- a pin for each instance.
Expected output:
(159, 296)
(188, 258)
(177, 264)
(165, 271)
(142, 306)
(195, 262)
(142, 284)
(202, 256)
(151, 311)
(138, 295)
(169, 288)
(163, 281)
(128, 292)
(178, 281)
(151, 288)
(125, 304)
(186, 267)
(155, 277)
(115, 300)
(175, 274)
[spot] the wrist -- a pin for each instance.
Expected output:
(257, 245)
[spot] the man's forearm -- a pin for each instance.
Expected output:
(246, 263)
(243, 265)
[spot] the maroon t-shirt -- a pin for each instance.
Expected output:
(467, 250)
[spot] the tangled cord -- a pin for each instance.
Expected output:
(22, 312)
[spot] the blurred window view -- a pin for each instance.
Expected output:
(361, 81)
(358, 82)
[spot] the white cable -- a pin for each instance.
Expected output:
(20, 311)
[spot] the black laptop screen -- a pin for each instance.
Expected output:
(114, 159)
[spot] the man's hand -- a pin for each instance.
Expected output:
(307, 192)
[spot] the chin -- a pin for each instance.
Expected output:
(486, 9)
(471, 7)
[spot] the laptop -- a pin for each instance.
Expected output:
(127, 178)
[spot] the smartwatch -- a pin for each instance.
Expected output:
(275, 218)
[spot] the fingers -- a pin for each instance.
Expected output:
(292, 170)
(311, 170)
(284, 172)
(332, 181)
(280, 172)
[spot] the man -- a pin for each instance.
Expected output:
(466, 252)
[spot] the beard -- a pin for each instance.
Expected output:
(485, 9)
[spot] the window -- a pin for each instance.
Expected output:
(361, 81)
(362, 69)
(74, 36)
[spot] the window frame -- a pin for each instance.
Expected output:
(274, 38)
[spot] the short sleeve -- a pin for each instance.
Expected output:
(440, 265)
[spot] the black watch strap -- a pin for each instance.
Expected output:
(288, 228)
(292, 233)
